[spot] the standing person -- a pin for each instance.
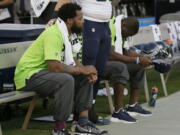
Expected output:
(48, 68)
(6, 11)
(96, 36)
(126, 66)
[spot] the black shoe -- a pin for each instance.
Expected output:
(122, 116)
(138, 110)
(89, 129)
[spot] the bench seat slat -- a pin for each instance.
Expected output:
(15, 95)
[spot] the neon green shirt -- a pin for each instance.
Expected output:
(48, 46)
(113, 31)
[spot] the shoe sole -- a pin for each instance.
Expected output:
(75, 133)
(134, 114)
(122, 121)
(103, 123)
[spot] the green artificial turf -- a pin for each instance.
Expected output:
(13, 126)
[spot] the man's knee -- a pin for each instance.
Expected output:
(64, 88)
(69, 78)
(116, 66)
(142, 70)
(65, 80)
(118, 72)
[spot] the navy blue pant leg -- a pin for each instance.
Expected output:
(96, 47)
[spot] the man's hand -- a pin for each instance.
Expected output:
(92, 78)
(145, 61)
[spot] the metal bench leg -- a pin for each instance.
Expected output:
(163, 84)
(167, 76)
(0, 130)
(29, 113)
(146, 87)
(109, 96)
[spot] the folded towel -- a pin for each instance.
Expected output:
(119, 45)
(68, 58)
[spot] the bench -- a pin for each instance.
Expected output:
(176, 60)
(18, 95)
(164, 80)
(10, 59)
(164, 87)
(108, 91)
(163, 32)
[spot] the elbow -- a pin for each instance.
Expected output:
(54, 69)
(110, 57)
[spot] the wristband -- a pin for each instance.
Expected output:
(137, 60)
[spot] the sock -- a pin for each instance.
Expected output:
(94, 101)
(83, 120)
(59, 126)
(118, 110)
(133, 105)
(93, 117)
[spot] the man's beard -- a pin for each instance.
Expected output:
(76, 29)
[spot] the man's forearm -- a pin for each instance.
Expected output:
(55, 66)
(60, 3)
(131, 53)
(74, 70)
(6, 3)
(119, 57)
(114, 56)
